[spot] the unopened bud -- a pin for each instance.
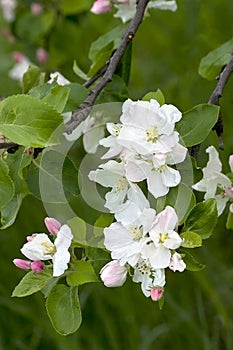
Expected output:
(156, 293)
(37, 266)
(52, 225)
(22, 264)
(113, 274)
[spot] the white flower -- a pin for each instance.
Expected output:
(163, 238)
(126, 237)
(59, 78)
(126, 11)
(147, 127)
(176, 263)
(111, 141)
(113, 274)
(20, 68)
(112, 174)
(213, 179)
(8, 8)
(148, 277)
(40, 247)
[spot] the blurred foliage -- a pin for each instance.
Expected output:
(167, 51)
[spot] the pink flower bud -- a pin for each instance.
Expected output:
(52, 225)
(101, 6)
(17, 56)
(229, 192)
(231, 162)
(113, 274)
(156, 293)
(36, 9)
(22, 264)
(42, 55)
(37, 266)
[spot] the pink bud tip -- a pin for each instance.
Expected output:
(22, 264)
(52, 225)
(37, 266)
(17, 56)
(101, 6)
(36, 8)
(156, 293)
(42, 55)
(229, 192)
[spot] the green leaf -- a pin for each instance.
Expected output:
(196, 124)
(103, 221)
(10, 211)
(7, 188)
(124, 66)
(77, 95)
(114, 35)
(229, 223)
(191, 240)
(63, 309)
(181, 198)
(155, 95)
(101, 59)
(53, 178)
(29, 122)
(202, 218)
(57, 97)
(32, 282)
(31, 78)
(69, 7)
(81, 272)
(191, 263)
(79, 230)
(211, 65)
(116, 91)
(78, 71)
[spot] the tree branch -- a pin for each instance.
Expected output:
(7, 145)
(84, 109)
(214, 99)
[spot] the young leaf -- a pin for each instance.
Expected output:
(28, 121)
(155, 95)
(191, 240)
(63, 309)
(31, 78)
(10, 211)
(78, 228)
(100, 59)
(202, 218)
(57, 97)
(103, 221)
(191, 263)
(32, 282)
(124, 66)
(82, 272)
(229, 224)
(196, 124)
(211, 64)
(78, 71)
(7, 188)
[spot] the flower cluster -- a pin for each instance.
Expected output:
(145, 145)
(39, 248)
(127, 8)
(214, 183)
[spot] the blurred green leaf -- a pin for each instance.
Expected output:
(124, 66)
(31, 78)
(101, 59)
(63, 309)
(191, 263)
(7, 188)
(155, 95)
(57, 97)
(78, 71)
(196, 124)
(81, 272)
(78, 228)
(69, 7)
(28, 121)
(202, 219)
(191, 240)
(32, 282)
(211, 65)
(103, 221)
(229, 223)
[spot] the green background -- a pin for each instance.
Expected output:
(198, 307)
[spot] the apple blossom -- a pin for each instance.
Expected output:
(59, 78)
(40, 247)
(213, 179)
(101, 6)
(42, 55)
(162, 240)
(156, 293)
(231, 162)
(36, 8)
(37, 266)
(8, 9)
(21, 66)
(176, 263)
(113, 274)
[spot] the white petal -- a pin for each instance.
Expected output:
(170, 177)
(156, 185)
(166, 220)
(159, 257)
(39, 248)
(137, 171)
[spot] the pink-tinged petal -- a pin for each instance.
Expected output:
(37, 266)
(22, 264)
(166, 220)
(156, 293)
(229, 192)
(42, 55)
(170, 177)
(39, 248)
(52, 225)
(113, 274)
(176, 263)
(101, 6)
(173, 241)
(137, 171)
(156, 185)
(231, 162)
(128, 213)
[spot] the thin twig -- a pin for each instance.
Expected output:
(214, 99)
(84, 109)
